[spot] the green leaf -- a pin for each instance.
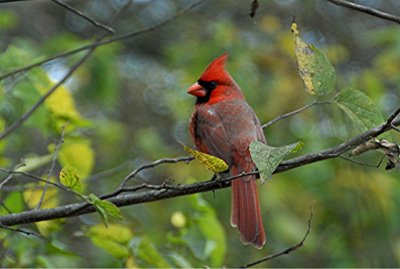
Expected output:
(147, 255)
(78, 153)
(69, 177)
(315, 70)
(268, 158)
(212, 163)
(206, 236)
(113, 239)
(104, 208)
(13, 202)
(32, 163)
(359, 108)
(179, 260)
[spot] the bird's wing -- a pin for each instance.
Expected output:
(208, 133)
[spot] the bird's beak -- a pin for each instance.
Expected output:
(197, 90)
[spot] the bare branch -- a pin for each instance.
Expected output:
(153, 164)
(9, 1)
(338, 150)
(61, 187)
(53, 164)
(20, 230)
(361, 163)
(166, 191)
(286, 251)
(83, 15)
(395, 128)
(393, 116)
(28, 113)
(294, 112)
(367, 10)
(101, 43)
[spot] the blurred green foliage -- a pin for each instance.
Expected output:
(128, 106)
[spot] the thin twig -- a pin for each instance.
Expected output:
(165, 193)
(20, 230)
(358, 162)
(29, 112)
(294, 112)
(9, 1)
(5, 181)
(55, 184)
(53, 164)
(367, 10)
(101, 43)
(153, 164)
(286, 251)
(395, 128)
(392, 116)
(83, 15)
(5, 208)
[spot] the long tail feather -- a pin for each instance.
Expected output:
(245, 213)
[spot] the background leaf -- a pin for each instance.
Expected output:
(359, 108)
(315, 69)
(113, 239)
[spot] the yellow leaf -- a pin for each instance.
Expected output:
(69, 178)
(61, 106)
(32, 197)
(302, 51)
(212, 163)
(315, 69)
(79, 154)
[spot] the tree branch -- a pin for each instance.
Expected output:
(84, 16)
(294, 112)
(367, 10)
(101, 43)
(91, 48)
(53, 165)
(153, 164)
(9, 1)
(286, 251)
(20, 231)
(29, 112)
(164, 191)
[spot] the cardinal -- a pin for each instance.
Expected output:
(224, 125)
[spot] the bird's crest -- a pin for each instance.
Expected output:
(215, 71)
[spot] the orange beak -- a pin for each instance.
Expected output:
(197, 90)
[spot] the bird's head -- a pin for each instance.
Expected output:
(215, 84)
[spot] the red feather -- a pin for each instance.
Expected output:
(224, 125)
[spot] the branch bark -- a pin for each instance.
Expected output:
(367, 10)
(101, 43)
(164, 191)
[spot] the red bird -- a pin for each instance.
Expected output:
(224, 125)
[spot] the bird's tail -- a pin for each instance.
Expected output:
(245, 212)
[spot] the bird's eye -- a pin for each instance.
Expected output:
(212, 85)
(208, 85)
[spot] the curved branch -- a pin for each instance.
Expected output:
(367, 10)
(101, 43)
(164, 191)
(84, 16)
(28, 113)
(286, 251)
(294, 112)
